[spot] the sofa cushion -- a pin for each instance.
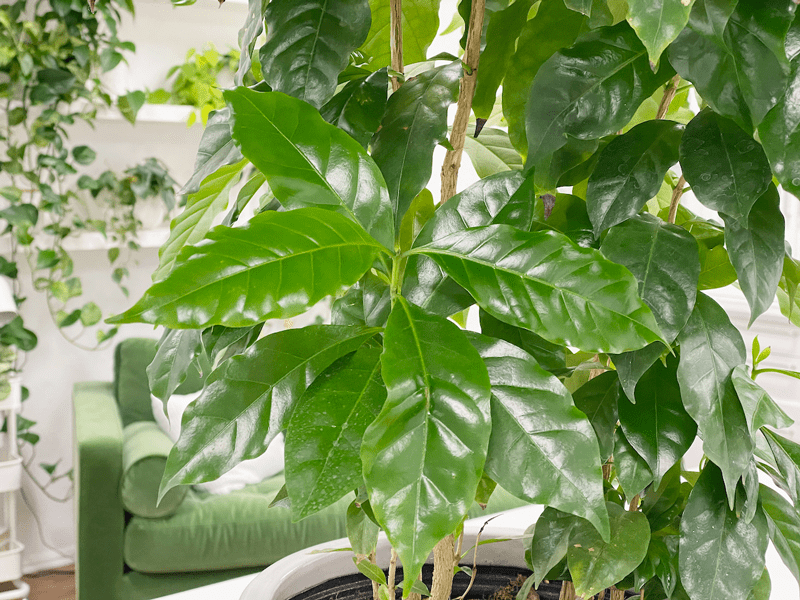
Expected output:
(145, 449)
(210, 532)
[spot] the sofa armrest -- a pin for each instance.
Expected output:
(98, 509)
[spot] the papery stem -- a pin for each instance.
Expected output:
(396, 39)
(676, 200)
(443, 563)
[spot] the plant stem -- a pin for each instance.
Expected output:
(567, 591)
(392, 571)
(414, 595)
(669, 95)
(375, 585)
(617, 594)
(443, 563)
(676, 200)
(472, 54)
(634, 503)
(396, 39)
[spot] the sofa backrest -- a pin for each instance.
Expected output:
(131, 387)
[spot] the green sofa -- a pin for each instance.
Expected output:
(207, 539)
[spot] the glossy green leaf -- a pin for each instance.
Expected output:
(657, 426)
(420, 20)
(309, 43)
(217, 149)
(632, 471)
(551, 357)
(501, 198)
(436, 422)
(359, 107)
(632, 365)
(759, 408)
(194, 222)
(763, 587)
(550, 541)
(716, 270)
(581, 6)
(787, 459)
(414, 123)
(554, 27)
(361, 531)
(658, 23)
(578, 90)
(502, 32)
(419, 213)
(725, 166)
(542, 448)
(711, 347)
(790, 279)
(309, 162)
(248, 398)
(755, 247)
(175, 355)
(248, 34)
(323, 437)
(665, 261)
(491, 152)
(568, 216)
(721, 556)
(596, 564)
(784, 528)
(598, 400)
(220, 342)
(368, 303)
(534, 280)
(630, 171)
(276, 267)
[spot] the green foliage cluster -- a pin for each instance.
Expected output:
(577, 257)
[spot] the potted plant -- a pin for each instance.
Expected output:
(600, 357)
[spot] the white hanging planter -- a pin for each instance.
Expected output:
(14, 399)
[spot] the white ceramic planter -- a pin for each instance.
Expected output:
(306, 569)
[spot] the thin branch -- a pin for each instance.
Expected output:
(676, 200)
(392, 570)
(472, 54)
(668, 97)
(396, 39)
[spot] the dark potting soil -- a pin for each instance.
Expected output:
(491, 583)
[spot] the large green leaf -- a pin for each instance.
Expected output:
(248, 34)
(542, 448)
(414, 123)
(491, 152)
(550, 541)
(420, 22)
(248, 398)
(658, 426)
(501, 198)
(309, 43)
(544, 282)
(367, 303)
(359, 107)
(598, 400)
(309, 162)
(194, 222)
(759, 408)
(323, 437)
(755, 246)
(784, 528)
(658, 23)
(725, 166)
(787, 459)
(711, 347)
(665, 261)
(579, 90)
(716, 270)
(435, 423)
(721, 555)
(175, 355)
(502, 32)
(630, 171)
(554, 27)
(632, 365)
(276, 267)
(216, 150)
(596, 564)
(632, 470)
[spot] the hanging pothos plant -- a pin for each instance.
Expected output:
(582, 255)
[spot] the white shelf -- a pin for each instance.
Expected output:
(154, 113)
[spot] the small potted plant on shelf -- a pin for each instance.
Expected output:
(600, 358)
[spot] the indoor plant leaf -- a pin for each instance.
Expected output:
(368, 303)
(711, 347)
(630, 171)
(665, 261)
(309, 162)
(721, 555)
(276, 267)
(542, 448)
(598, 399)
(596, 564)
(784, 528)
(309, 43)
(533, 280)
(246, 400)
(657, 23)
(216, 150)
(550, 541)
(632, 471)
(716, 270)
(581, 6)
(220, 342)
(175, 355)
(787, 459)
(194, 221)
(575, 91)
(725, 166)
(248, 34)
(756, 249)
(323, 436)
(632, 365)
(435, 422)
(420, 20)
(491, 152)
(358, 108)
(414, 123)
(657, 426)
(759, 408)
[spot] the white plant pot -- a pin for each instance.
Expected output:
(11, 562)
(308, 568)
(10, 473)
